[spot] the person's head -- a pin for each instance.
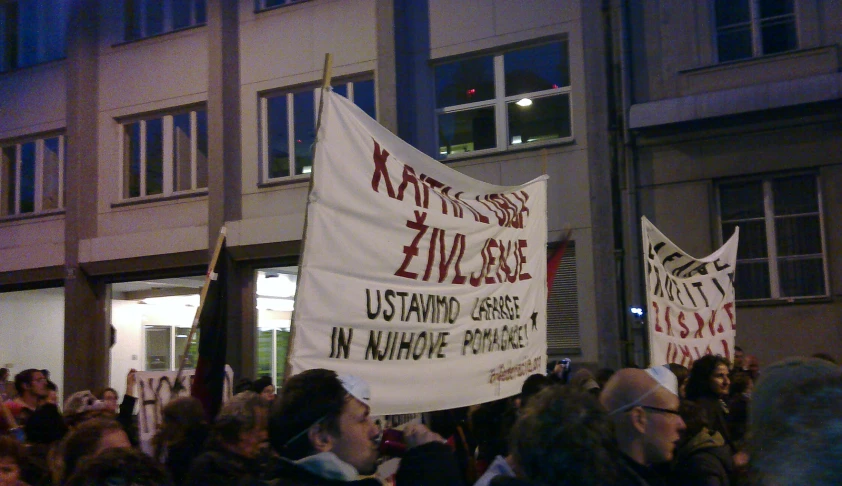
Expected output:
(318, 411)
(576, 427)
(31, 383)
(739, 355)
(263, 386)
(741, 384)
(4, 375)
(643, 406)
(584, 380)
(120, 466)
(778, 379)
(109, 397)
(531, 386)
(52, 393)
(708, 378)
(681, 373)
(91, 438)
(181, 417)
(12, 455)
(241, 424)
(804, 445)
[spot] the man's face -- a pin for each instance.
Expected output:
(738, 359)
(110, 399)
(719, 381)
(663, 429)
(38, 386)
(357, 433)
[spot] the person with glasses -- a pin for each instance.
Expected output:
(643, 406)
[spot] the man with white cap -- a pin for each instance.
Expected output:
(643, 405)
(320, 426)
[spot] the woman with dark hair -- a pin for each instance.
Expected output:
(89, 439)
(708, 385)
(182, 436)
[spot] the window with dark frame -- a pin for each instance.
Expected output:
(32, 176)
(32, 32)
(146, 18)
(781, 253)
(502, 101)
(752, 28)
(289, 124)
(164, 155)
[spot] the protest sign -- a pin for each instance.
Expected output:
(156, 388)
(428, 284)
(690, 301)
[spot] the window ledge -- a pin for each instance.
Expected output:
(286, 181)
(510, 149)
(37, 65)
(784, 301)
(158, 198)
(28, 216)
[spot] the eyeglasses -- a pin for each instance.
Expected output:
(662, 410)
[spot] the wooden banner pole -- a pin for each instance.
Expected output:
(219, 241)
(326, 78)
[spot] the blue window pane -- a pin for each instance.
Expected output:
(773, 8)
(741, 201)
(537, 69)
(466, 131)
(779, 36)
(201, 149)
(733, 44)
(364, 97)
(132, 162)
(464, 82)
(201, 15)
(341, 89)
(154, 17)
(181, 15)
(798, 235)
(730, 12)
(795, 195)
(278, 134)
(752, 281)
(132, 16)
(304, 129)
(27, 177)
(801, 278)
(154, 156)
(28, 32)
(9, 57)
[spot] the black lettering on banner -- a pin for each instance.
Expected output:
(340, 342)
(690, 294)
(698, 286)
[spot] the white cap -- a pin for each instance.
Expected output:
(665, 378)
(357, 387)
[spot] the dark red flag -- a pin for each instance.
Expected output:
(210, 369)
(555, 260)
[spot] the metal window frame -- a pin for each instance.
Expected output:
(769, 216)
(167, 144)
(290, 121)
(500, 102)
(755, 24)
(38, 188)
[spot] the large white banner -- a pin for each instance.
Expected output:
(427, 283)
(690, 301)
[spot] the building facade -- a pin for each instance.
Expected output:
(137, 129)
(734, 120)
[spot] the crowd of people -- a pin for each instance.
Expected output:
(715, 424)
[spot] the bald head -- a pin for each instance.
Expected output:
(645, 413)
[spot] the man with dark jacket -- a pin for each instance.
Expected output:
(321, 428)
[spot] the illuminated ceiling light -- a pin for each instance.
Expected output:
(524, 102)
(173, 300)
